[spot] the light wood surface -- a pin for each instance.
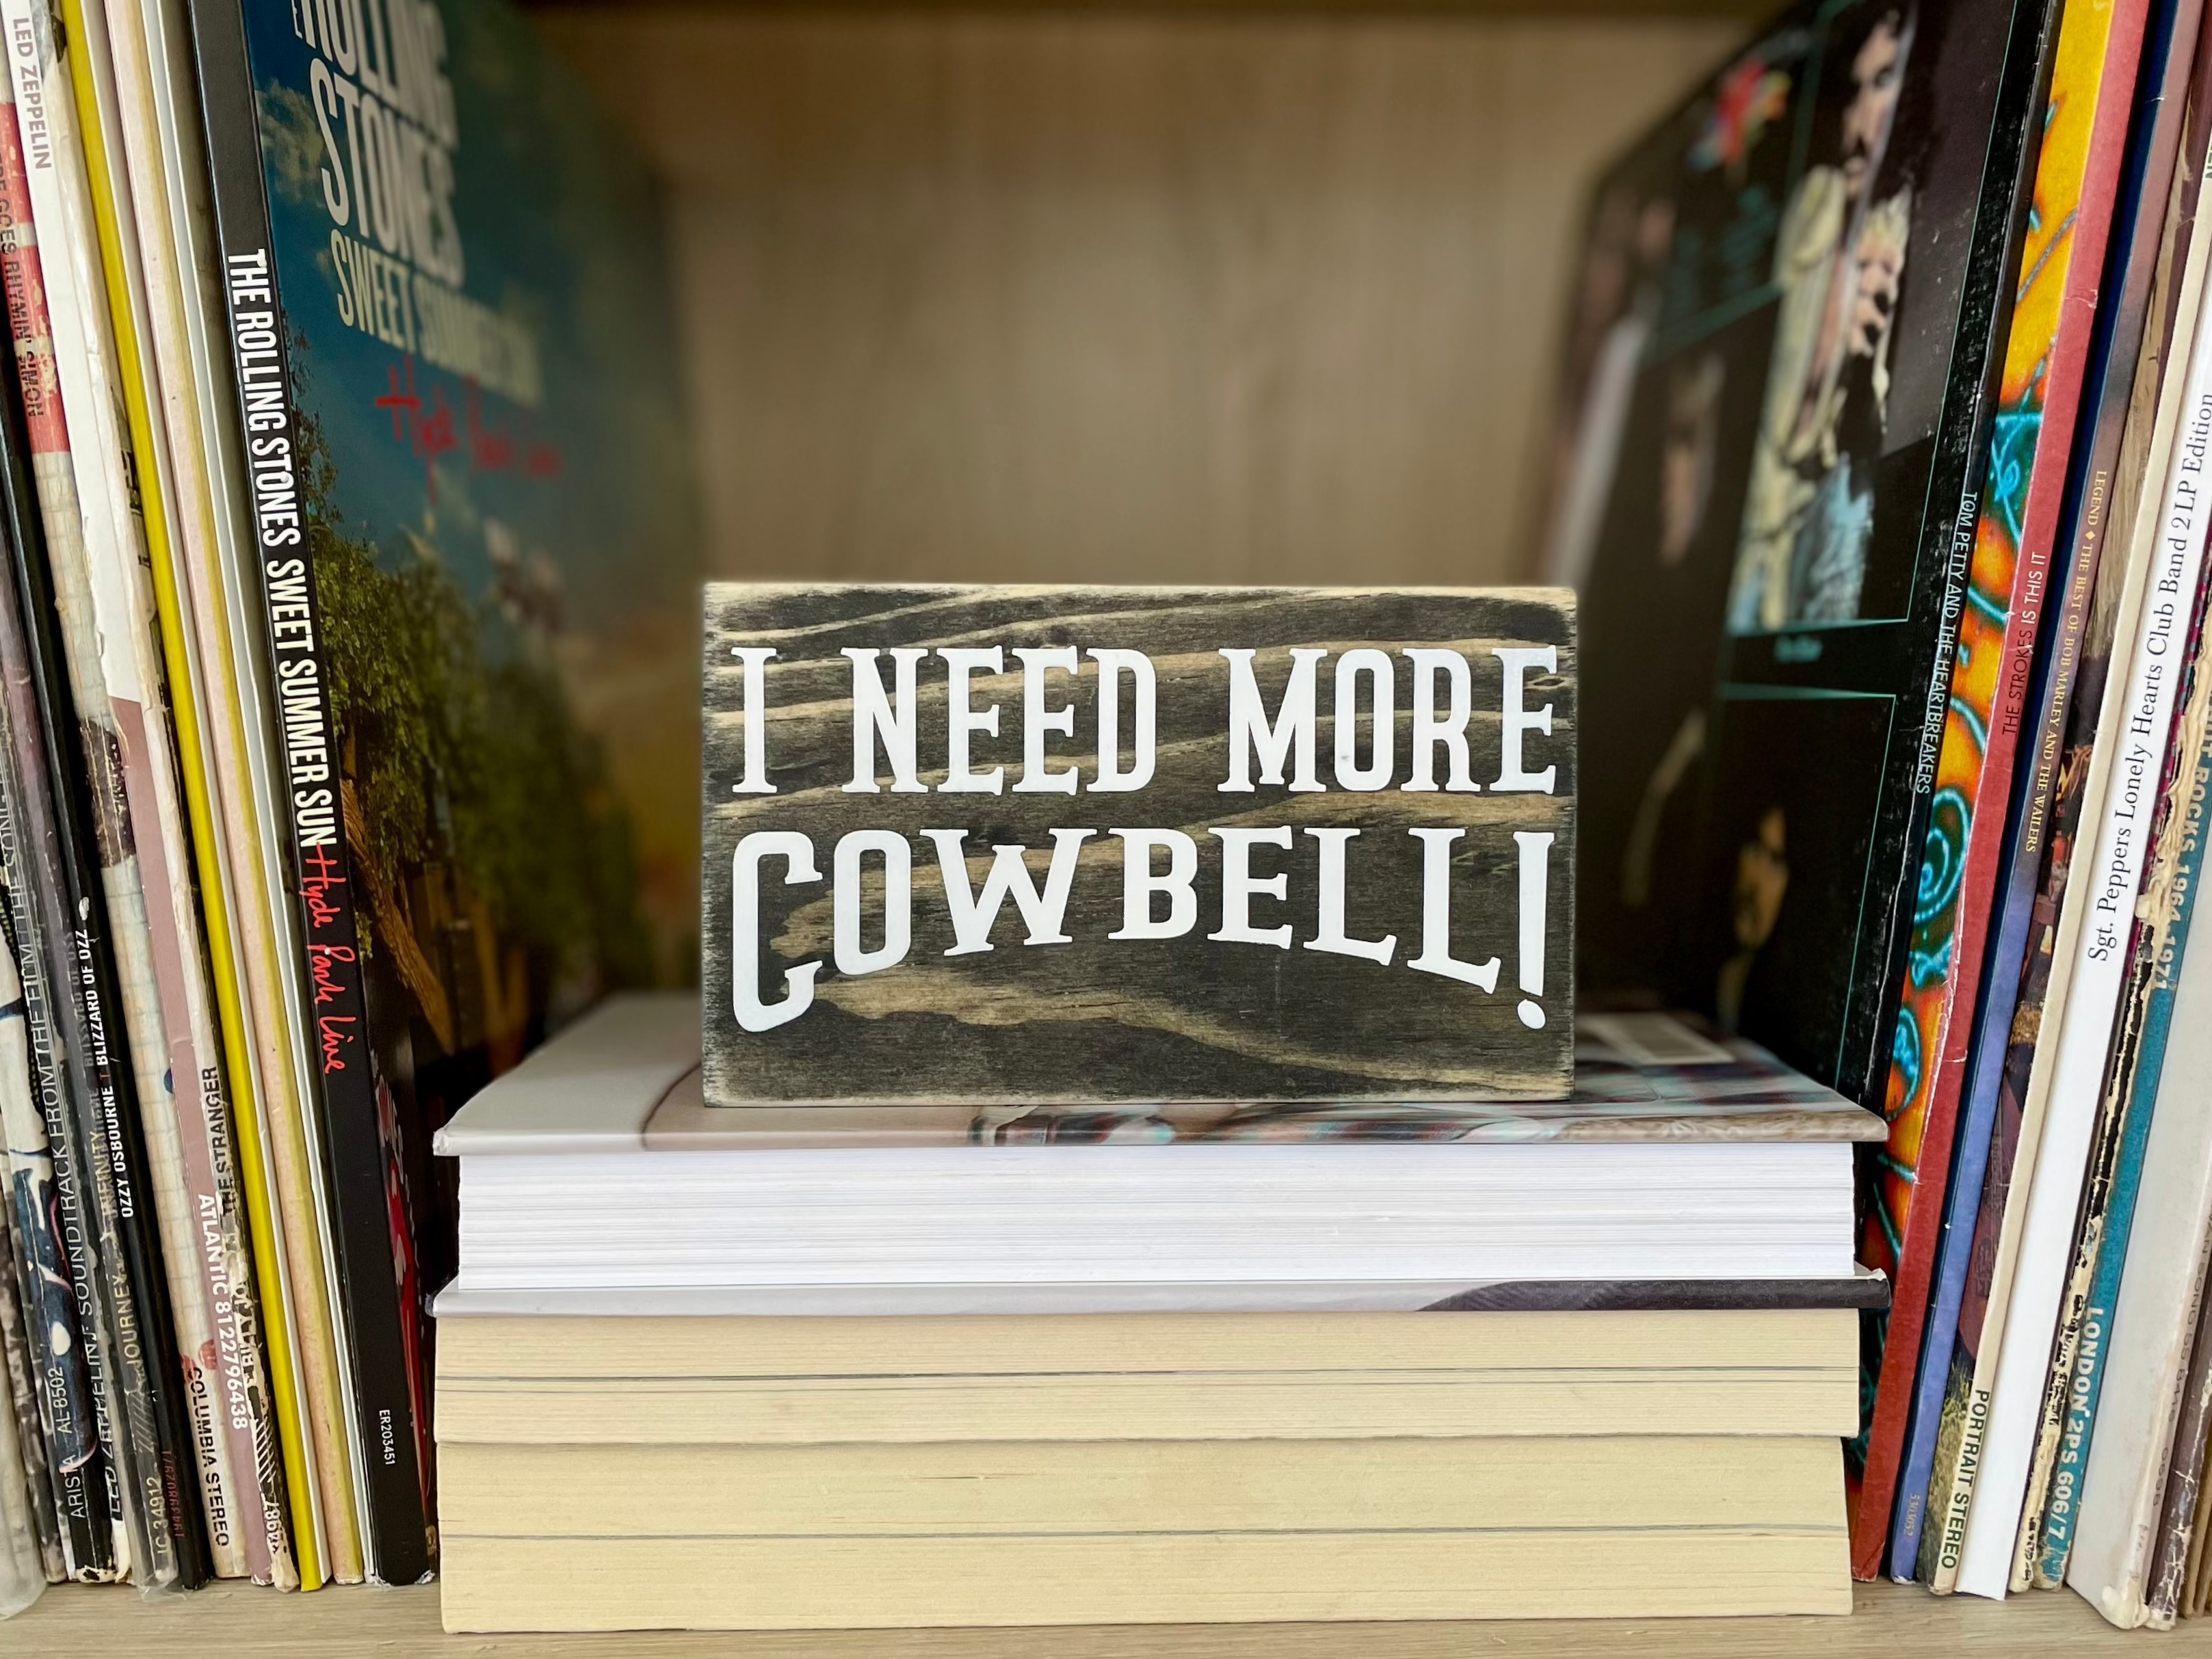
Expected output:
(242, 1622)
(1052, 297)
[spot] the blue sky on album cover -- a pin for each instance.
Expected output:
(574, 514)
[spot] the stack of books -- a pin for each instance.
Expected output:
(824, 1366)
(1879, 465)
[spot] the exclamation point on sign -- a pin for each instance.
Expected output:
(1535, 877)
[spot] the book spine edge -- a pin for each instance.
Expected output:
(401, 1549)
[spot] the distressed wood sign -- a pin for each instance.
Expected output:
(1066, 844)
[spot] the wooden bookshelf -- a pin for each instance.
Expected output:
(1021, 294)
(242, 1622)
(1226, 290)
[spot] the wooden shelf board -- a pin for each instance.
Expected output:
(1034, 294)
(232, 1621)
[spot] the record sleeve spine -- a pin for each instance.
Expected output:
(2178, 1510)
(88, 504)
(253, 922)
(401, 1549)
(2182, 1509)
(2054, 337)
(246, 1475)
(162, 149)
(2193, 1587)
(2064, 1087)
(34, 1488)
(204, 623)
(2154, 1331)
(86, 465)
(2155, 201)
(2078, 1364)
(2106, 1180)
(61, 1393)
(1999, 230)
(55, 903)
(2045, 974)
(1963, 436)
(1974, 1109)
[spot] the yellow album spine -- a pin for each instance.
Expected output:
(184, 702)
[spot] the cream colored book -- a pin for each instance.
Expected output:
(806, 1583)
(1097, 1488)
(1103, 1377)
(1022, 1533)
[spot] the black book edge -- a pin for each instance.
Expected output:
(149, 1449)
(1867, 1290)
(400, 1549)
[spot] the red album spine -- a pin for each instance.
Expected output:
(2067, 361)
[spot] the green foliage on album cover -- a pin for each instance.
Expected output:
(462, 750)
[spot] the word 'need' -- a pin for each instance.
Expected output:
(1438, 695)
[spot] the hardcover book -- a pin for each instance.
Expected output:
(572, 1164)
(469, 484)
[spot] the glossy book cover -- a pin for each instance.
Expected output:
(1638, 1076)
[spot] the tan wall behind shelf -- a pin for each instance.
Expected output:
(1056, 297)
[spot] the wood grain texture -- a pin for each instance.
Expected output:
(1889, 1621)
(1022, 1012)
(1124, 298)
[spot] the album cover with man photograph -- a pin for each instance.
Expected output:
(1776, 393)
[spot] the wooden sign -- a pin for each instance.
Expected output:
(1064, 844)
